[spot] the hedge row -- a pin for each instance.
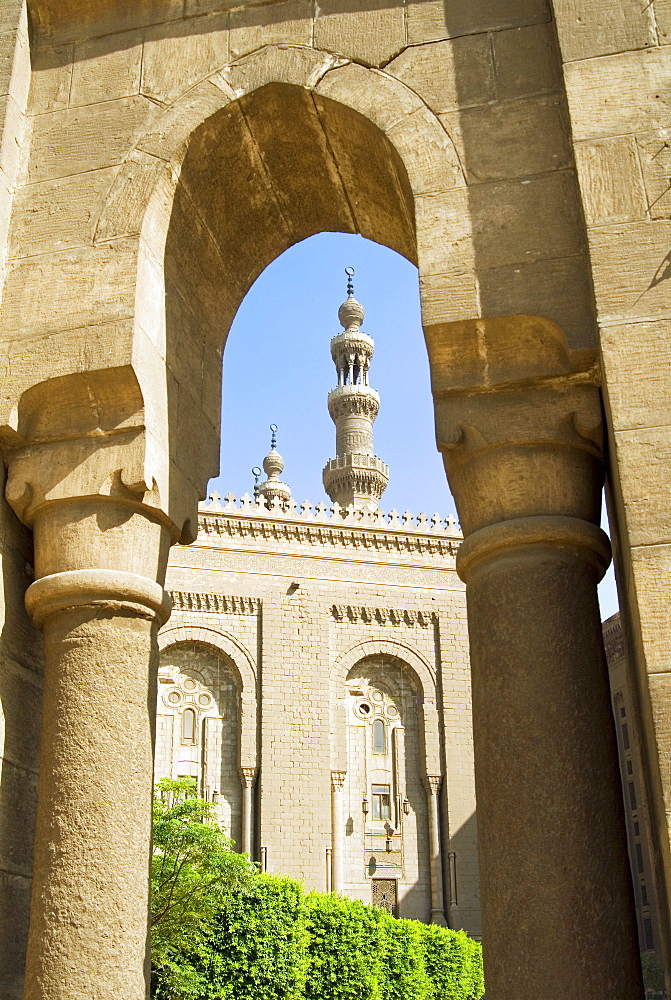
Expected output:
(273, 942)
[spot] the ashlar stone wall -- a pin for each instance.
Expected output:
(317, 603)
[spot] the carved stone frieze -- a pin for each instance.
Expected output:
(375, 531)
(382, 616)
(613, 639)
(218, 603)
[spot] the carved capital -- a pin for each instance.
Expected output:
(338, 779)
(82, 436)
(433, 783)
(518, 420)
(571, 537)
(100, 588)
(248, 776)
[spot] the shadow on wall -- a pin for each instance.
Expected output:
(58, 22)
(20, 712)
(522, 202)
(461, 879)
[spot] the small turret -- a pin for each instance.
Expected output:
(356, 475)
(273, 464)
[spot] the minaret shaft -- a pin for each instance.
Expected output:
(356, 476)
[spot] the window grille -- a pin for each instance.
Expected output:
(384, 894)
(625, 736)
(644, 894)
(381, 802)
(647, 933)
(188, 726)
(639, 858)
(632, 795)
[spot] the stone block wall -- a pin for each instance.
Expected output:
(334, 594)
(20, 711)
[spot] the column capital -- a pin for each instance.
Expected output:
(569, 535)
(111, 589)
(84, 436)
(248, 776)
(338, 779)
(518, 420)
(433, 783)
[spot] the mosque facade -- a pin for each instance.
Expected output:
(314, 680)
(314, 676)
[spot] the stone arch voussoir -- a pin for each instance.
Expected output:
(176, 634)
(151, 169)
(424, 675)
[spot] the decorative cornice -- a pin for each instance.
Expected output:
(344, 528)
(359, 400)
(613, 639)
(183, 600)
(381, 616)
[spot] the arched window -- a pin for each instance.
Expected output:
(188, 726)
(379, 737)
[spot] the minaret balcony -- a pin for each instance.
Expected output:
(357, 461)
(352, 342)
(361, 400)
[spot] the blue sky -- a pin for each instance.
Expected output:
(286, 321)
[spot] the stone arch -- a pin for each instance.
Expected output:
(424, 677)
(243, 665)
(215, 190)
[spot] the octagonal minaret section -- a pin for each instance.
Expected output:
(356, 475)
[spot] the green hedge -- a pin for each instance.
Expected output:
(271, 941)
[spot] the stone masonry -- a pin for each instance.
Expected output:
(323, 604)
(155, 156)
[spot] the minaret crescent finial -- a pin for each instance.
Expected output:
(356, 475)
(273, 464)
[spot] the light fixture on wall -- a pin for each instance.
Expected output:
(364, 804)
(406, 805)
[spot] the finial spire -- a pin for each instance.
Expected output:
(273, 464)
(356, 476)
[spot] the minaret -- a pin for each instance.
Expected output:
(273, 464)
(356, 475)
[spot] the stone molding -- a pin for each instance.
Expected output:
(334, 526)
(248, 775)
(240, 658)
(613, 639)
(380, 616)
(565, 534)
(433, 783)
(424, 677)
(95, 587)
(222, 604)
(360, 400)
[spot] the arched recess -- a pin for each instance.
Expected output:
(285, 143)
(424, 677)
(243, 664)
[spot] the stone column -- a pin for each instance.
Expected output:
(519, 422)
(101, 549)
(248, 775)
(432, 784)
(337, 784)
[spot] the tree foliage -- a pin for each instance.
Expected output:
(193, 872)
(222, 931)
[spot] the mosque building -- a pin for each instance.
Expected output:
(314, 680)
(314, 675)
